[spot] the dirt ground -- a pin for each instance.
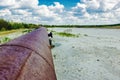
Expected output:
(94, 55)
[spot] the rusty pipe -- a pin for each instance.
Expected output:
(27, 58)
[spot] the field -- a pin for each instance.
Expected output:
(82, 53)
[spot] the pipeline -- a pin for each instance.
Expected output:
(27, 58)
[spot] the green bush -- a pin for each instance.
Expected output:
(4, 24)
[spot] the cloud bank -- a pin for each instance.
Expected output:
(85, 12)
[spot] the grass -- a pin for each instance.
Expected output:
(27, 31)
(24, 31)
(4, 40)
(3, 33)
(64, 34)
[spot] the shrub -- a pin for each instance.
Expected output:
(3, 24)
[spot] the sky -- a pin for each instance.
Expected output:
(67, 3)
(61, 12)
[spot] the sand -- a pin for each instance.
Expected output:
(94, 55)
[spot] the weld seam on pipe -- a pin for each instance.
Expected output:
(23, 65)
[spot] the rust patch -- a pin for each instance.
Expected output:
(15, 54)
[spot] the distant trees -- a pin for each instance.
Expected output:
(4, 25)
(16, 25)
(84, 26)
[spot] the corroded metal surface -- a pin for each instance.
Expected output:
(27, 58)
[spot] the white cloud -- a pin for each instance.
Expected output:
(43, 11)
(117, 6)
(57, 8)
(49, 14)
(80, 10)
(21, 12)
(80, 6)
(28, 3)
(91, 4)
(19, 3)
(102, 11)
(5, 12)
(34, 13)
(85, 12)
(5, 3)
(107, 5)
(103, 5)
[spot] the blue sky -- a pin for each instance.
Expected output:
(67, 3)
(59, 12)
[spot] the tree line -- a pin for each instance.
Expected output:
(5, 25)
(84, 26)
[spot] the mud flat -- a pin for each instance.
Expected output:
(94, 55)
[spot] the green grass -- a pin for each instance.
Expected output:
(6, 36)
(27, 31)
(4, 40)
(64, 34)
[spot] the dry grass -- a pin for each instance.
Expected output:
(3, 33)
